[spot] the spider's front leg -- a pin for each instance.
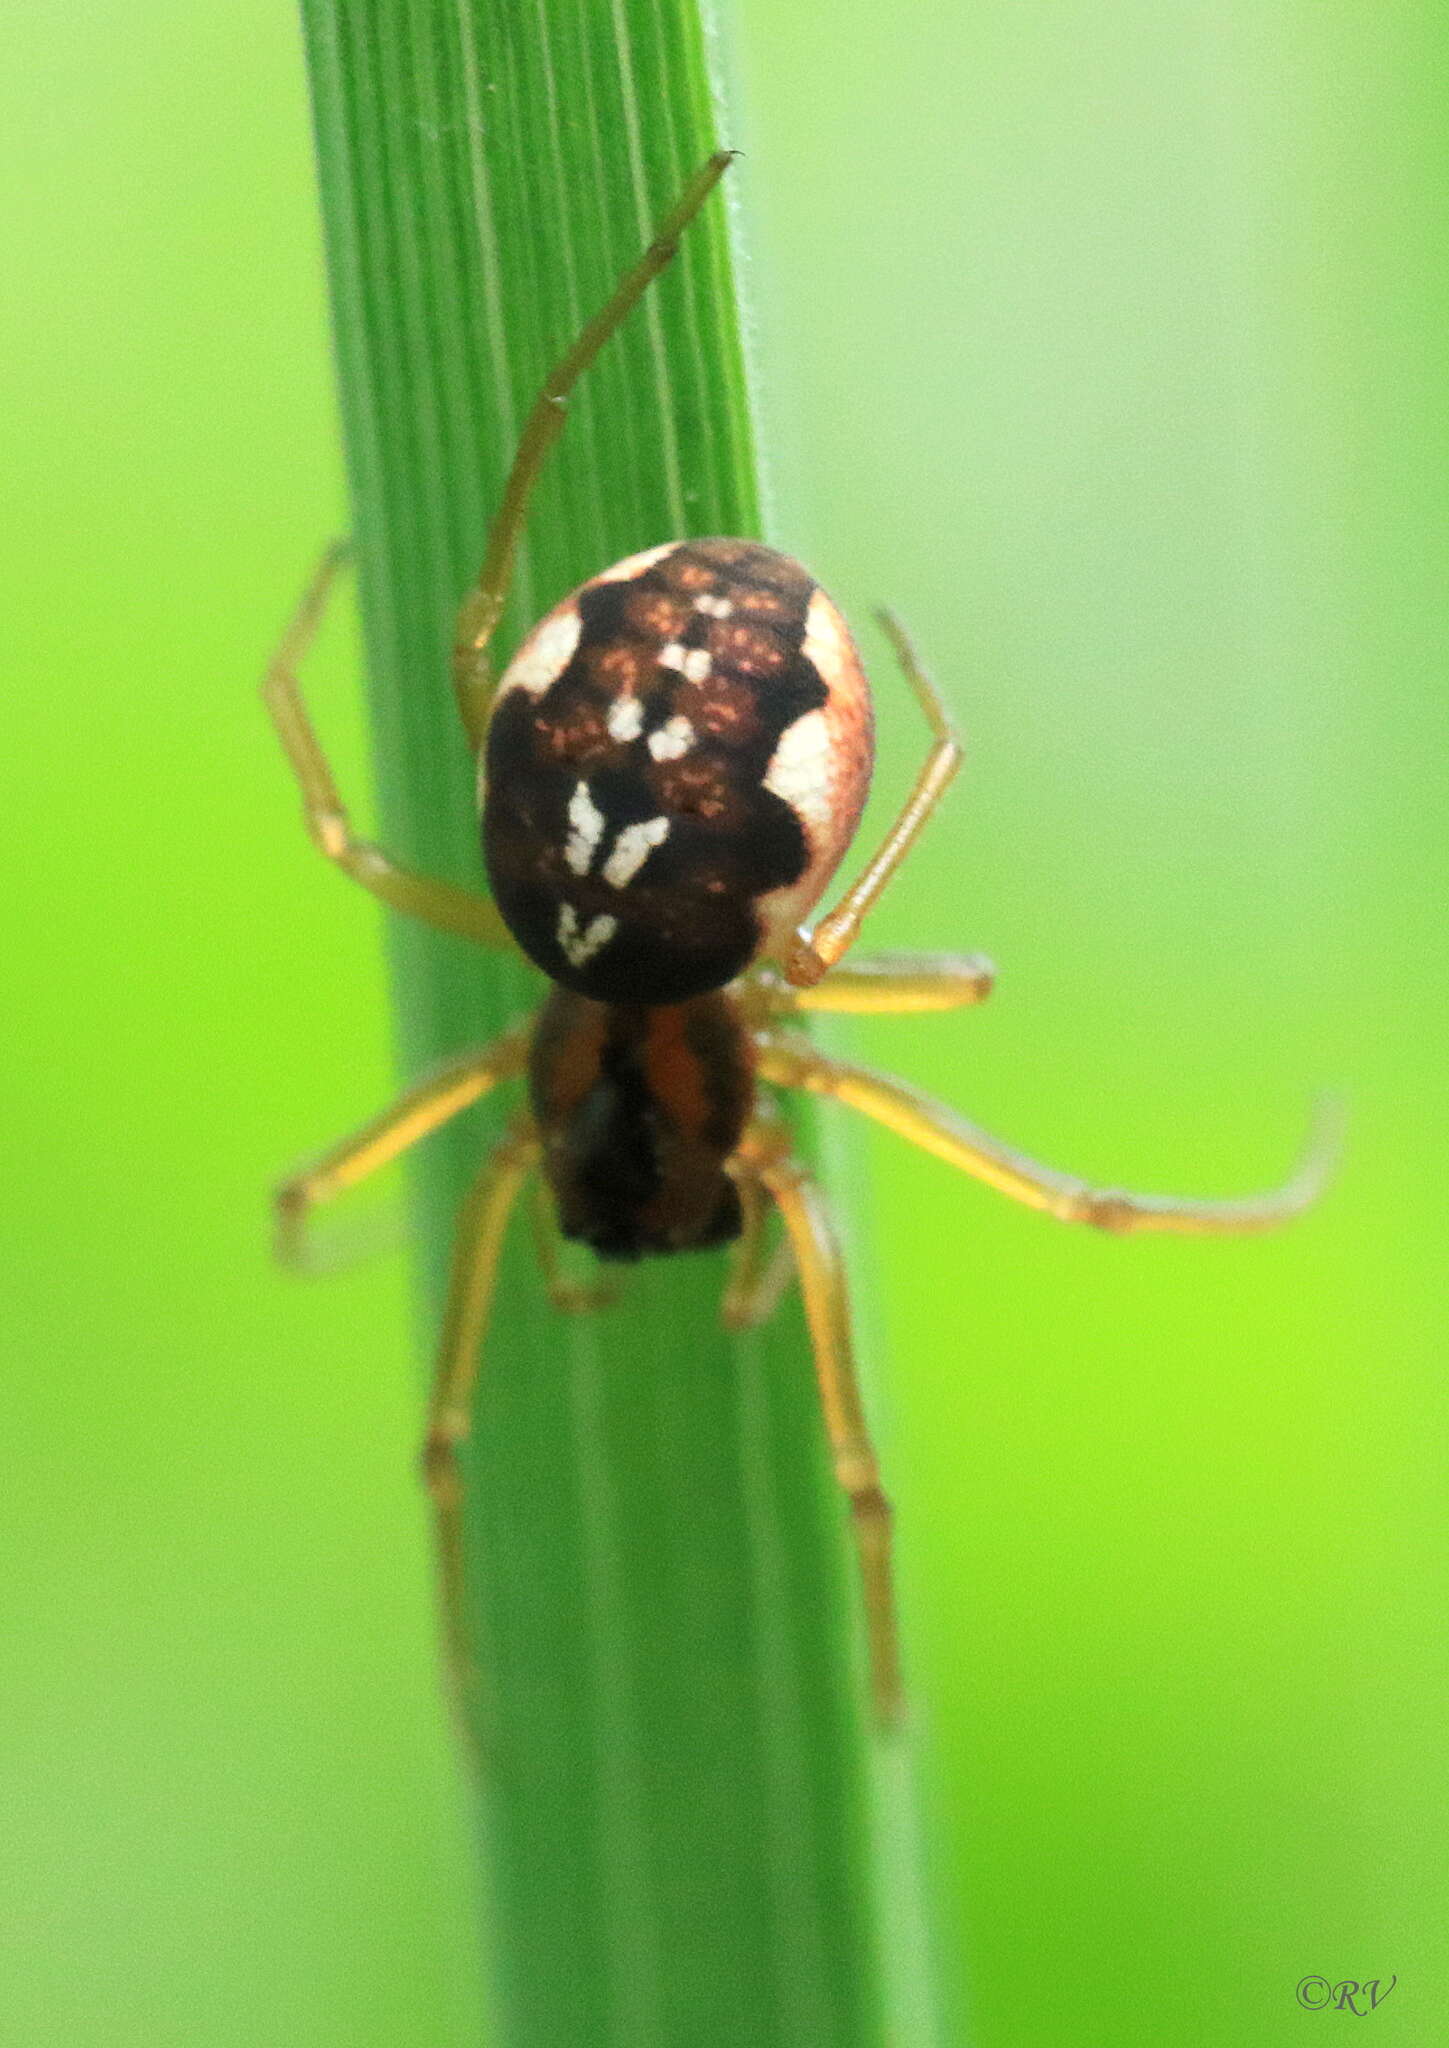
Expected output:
(477, 1248)
(571, 1297)
(758, 1276)
(764, 1155)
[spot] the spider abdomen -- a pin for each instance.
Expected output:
(676, 761)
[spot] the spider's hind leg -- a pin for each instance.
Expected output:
(435, 902)
(483, 606)
(815, 952)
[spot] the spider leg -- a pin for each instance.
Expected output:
(817, 1258)
(437, 903)
(477, 1245)
(483, 607)
(815, 951)
(420, 1109)
(792, 1063)
(891, 984)
(758, 1276)
(569, 1296)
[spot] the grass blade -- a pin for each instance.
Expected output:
(675, 1825)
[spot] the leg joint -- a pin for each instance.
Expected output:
(332, 835)
(1103, 1209)
(438, 1460)
(859, 1476)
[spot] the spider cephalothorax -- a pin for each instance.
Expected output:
(638, 1109)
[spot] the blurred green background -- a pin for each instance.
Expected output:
(1106, 342)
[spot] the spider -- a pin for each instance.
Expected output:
(671, 768)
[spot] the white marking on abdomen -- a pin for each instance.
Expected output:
(586, 821)
(675, 737)
(576, 946)
(693, 663)
(713, 607)
(632, 848)
(635, 565)
(827, 643)
(799, 772)
(626, 718)
(545, 654)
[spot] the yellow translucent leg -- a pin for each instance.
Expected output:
(759, 1275)
(892, 984)
(827, 1312)
(483, 607)
(420, 1109)
(482, 1222)
(572, 1297)
(792, 1063)
(421, 896)
(815, 952)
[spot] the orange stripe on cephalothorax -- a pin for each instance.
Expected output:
(675, 1072)
(568, 1054)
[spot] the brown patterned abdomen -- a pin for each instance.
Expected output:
(676, 762)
